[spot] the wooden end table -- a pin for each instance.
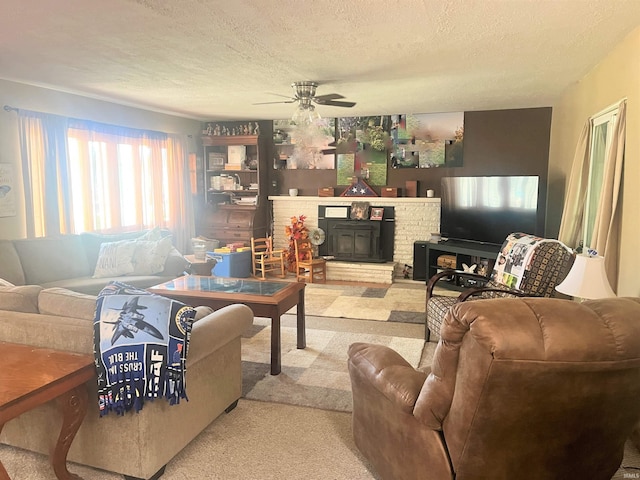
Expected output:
(31, 376)
(266, 299)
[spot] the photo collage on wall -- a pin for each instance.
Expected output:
(363, 147)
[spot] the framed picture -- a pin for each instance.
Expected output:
(359, 211)
(217, 160)
(7, 191)
(376, 213)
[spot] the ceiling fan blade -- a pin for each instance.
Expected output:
(334, 103)
(266, 103)
(280, 95)
(329, 96)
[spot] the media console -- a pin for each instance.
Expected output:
(481, 254)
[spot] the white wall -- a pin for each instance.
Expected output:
(50, 101)
(616, 76)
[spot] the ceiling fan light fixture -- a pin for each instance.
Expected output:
(305, 115)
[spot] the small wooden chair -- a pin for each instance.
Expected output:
(307, 267)
(265, 259)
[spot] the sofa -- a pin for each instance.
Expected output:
(526, 388)
(137, 445)
(141, 259)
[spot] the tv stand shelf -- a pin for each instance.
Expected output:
(481, 254)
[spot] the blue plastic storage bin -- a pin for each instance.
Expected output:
(235, 264)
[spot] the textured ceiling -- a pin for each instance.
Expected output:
(215, 59)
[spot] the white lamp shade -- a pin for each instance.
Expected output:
(587, 279)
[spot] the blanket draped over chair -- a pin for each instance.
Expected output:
(141, 343)
(514, 258)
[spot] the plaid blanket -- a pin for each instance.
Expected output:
(141, 342)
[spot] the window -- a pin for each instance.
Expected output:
(84, 176)
(601, 136)
(117, 183)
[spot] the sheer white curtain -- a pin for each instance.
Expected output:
(606, 232)
(572, 222)
(87, 176)
(45, 173)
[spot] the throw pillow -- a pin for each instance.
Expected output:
(115, 259)
(150, 256)
(5, 283)
(175, 265)
(154, 235)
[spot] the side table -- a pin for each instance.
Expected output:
(31, 376)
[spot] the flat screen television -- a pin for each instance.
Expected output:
(487, 209)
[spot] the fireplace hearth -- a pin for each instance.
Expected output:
(356, 240)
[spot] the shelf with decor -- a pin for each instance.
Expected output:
(454, 253)
(231, 167)
(235, 204)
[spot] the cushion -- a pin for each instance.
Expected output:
(150, 256)
(115, 259)
(10, 266)
(66, 303)
(5, 283)
(47, 259)
(23, 298)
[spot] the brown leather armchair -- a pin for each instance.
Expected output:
(526, 388)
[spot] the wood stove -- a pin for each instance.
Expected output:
(356, 240)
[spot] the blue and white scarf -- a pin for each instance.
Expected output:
(141, 341)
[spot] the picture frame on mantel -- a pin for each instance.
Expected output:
(359, 211)
(377, 213)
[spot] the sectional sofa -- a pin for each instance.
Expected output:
(141, 259)
(137, 445)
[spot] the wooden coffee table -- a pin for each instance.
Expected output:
(266, 299)
(31, 376)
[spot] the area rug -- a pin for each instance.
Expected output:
(316, 376)
(396, 303)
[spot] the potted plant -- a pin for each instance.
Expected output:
(296, 231)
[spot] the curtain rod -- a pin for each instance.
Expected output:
(9, 108)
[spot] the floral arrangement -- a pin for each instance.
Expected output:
(296, 231)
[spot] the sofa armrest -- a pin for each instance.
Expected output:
(388, 373)
(218, 329)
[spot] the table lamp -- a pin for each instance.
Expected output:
(587, 278)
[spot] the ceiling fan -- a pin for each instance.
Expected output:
(305, 94)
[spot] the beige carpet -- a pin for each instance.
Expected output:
(256, 441)
(316, 376)
(271, 439)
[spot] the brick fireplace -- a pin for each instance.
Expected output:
(415, 219)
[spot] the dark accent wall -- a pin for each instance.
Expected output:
(496, 142)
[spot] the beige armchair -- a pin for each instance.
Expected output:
(526, 388)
